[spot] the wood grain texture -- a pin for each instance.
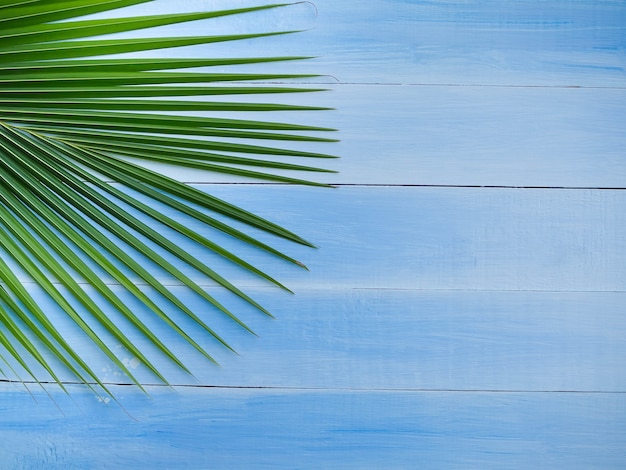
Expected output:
(531, 134)
(379, 339)
(474, 42)
(275, 429)
(446, 327)
(432, 238)
(477, 136)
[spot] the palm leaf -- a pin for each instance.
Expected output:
(74, 120)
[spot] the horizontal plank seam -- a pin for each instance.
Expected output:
(408, 185)
(320, 389)
(402, 185)
(490, 186)
(477, 85)
(467, 85)
(356, 288)
(547, 291)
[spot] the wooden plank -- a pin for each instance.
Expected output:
(556, 43)
(216, 428)
(438, 238)
(520, 42)
(458, 136)
(395, 340)
(432, 238)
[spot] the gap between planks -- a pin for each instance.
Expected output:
(350, 289)
(319, 389)
(399, 185)
(336, 81)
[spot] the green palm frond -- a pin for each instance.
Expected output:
(74, 120)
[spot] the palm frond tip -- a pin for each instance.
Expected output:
(70, 124)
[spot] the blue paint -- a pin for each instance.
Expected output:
(375, 339)
(212, 428)
(453, 326)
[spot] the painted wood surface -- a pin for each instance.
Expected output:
(473, 42)
(394, 339)
(476, 136)
(307, 429)
(448, 326)
(431, 238)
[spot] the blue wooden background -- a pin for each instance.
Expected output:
(466, 307)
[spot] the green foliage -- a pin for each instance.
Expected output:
(70, 124)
